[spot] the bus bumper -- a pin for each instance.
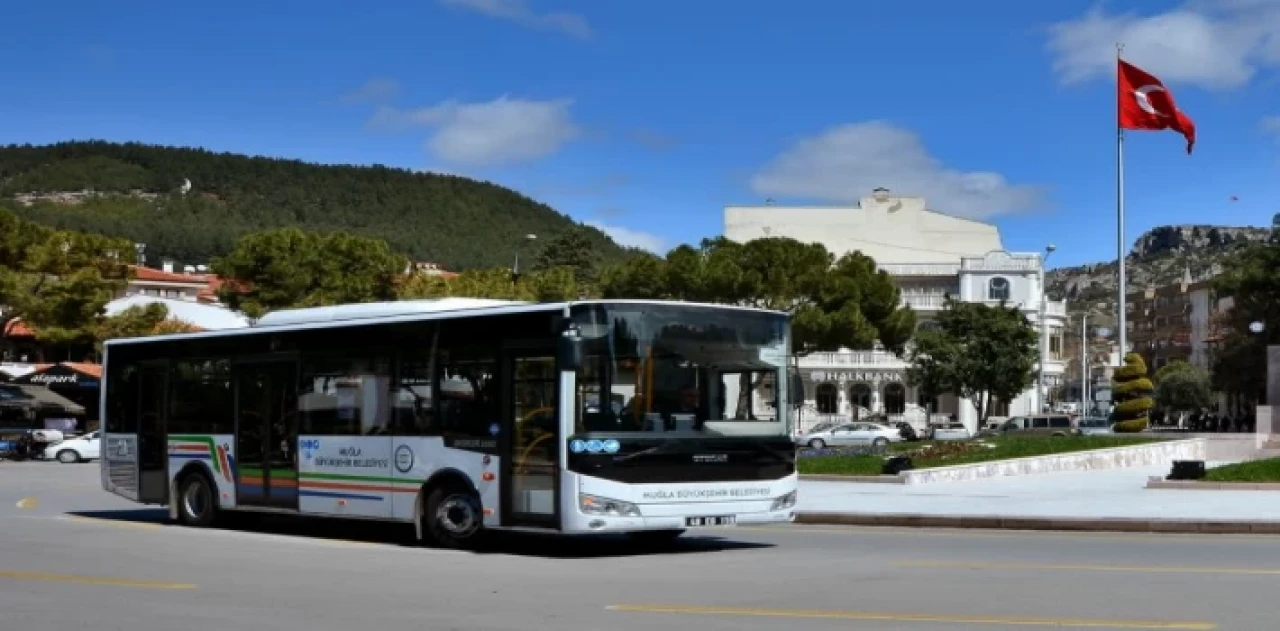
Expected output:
(602, 506)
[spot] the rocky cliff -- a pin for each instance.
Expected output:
(1161, 255)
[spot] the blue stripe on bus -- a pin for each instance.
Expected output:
(346, 496)
(189, 456)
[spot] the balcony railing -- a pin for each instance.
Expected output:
(921, 269)
(924, 301)
(853, 359)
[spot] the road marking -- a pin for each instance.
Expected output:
(92, 580)
(128, 525)
(917, 617)
(1049, 535)
(976, 565)
(27, 502)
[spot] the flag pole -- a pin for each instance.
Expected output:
(1121, 289)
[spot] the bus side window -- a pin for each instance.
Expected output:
(345, 395)
(413, 404)
(122, 397)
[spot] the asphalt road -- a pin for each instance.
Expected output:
(74, 557)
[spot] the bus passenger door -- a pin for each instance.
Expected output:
(153, 447)
(267, 434)
(531, 439)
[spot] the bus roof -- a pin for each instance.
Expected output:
(404, 311)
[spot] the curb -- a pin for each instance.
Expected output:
(1109, 524)
(1161, 483)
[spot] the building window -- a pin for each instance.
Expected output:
(998, 289)
(1055, 347)
(828, 398)
(860, 395)
(895, 398)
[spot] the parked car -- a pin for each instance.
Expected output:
(1039, 424)
(1093, 425)
(947, 431)
(76, 449)
(851, 435)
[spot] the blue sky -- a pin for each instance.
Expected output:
(647, 118)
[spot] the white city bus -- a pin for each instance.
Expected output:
(462, 415)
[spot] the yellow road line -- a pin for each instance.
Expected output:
(919, 618)
(130, 525)
(977, 565)
(92, 580)
(27, 502)
(1050, 535)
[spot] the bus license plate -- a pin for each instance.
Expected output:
(699, 522)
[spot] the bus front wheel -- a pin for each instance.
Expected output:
(453, 517)
(197, 504)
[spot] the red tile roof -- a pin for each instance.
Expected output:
(16, 328)
(84, 368)
(159, 276)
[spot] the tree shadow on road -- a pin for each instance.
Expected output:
(532, 544)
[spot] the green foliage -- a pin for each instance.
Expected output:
(845, 302)
(56, 281)
(1183, 387)
(286, 267)
(1257, 471)
(1251, 281)
(454, 221)
(573, 250)
(548, 285)
(978, 351)
(139, 321)
(1131, 390)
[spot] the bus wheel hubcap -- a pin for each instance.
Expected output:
(193, 500)
(457, 514)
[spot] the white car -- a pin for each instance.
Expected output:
(851, 435)
(78, 449)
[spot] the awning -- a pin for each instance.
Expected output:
(65, 375)
(43, 398)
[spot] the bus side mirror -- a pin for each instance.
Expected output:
(570, 353)
(795, 394)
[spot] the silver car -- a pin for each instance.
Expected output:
(859, 433)
(1094, 425)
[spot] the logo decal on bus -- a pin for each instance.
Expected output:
(309, 447)
(404, 459)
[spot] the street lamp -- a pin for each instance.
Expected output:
(515, 269)
(1044, 328)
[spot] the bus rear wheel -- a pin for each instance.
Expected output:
(453, 517)
(197, 503)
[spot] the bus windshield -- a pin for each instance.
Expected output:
(673, 370)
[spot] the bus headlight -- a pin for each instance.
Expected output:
(784, 502)
(593, 505)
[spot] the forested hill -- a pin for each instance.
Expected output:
(137, 191)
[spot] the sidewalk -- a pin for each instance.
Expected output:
(1110, 500)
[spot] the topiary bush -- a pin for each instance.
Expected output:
(1131, 390)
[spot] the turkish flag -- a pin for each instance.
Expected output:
(1146, 105)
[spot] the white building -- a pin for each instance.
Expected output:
(930, 254)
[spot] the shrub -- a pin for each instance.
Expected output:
(1132, 392)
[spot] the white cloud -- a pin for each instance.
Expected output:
(846, 162)
(1214, 44)
(518, 11)
(501, 131)
(631, 238)
(376, 90)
